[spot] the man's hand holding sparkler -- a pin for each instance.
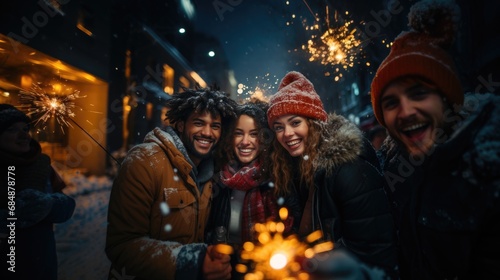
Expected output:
(216, 264)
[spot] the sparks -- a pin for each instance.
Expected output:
(42, 106)
(264, 87)
(337, 46)
(275, 256)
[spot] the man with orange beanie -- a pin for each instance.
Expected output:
(441, 161)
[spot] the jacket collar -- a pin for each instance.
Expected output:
(203, 172)
(341, 142)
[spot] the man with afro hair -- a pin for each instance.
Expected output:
(161, 197)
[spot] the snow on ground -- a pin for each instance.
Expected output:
(80, 241)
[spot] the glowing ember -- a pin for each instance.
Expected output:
(278, 261)
(42, 106)
(275, 256)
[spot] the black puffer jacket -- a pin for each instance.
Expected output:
(349, 202)
(447, 205)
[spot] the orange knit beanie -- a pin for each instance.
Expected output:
(421, 52)
(296, 96)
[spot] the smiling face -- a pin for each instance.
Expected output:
(16, 138)
(291, 132)
(413, 113)
(246, 139)
(200, 133)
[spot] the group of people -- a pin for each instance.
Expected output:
(426, 205)
(423, 206)
(221, 167)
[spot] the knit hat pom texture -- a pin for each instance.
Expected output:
(423, 52)
(296, 96)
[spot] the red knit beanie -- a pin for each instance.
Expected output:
(421, 52)
(296, 96)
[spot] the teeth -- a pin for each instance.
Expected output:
(413, 127)
(291, 143)
(245, 150)
(203, 141)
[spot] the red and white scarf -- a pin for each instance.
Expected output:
(258, 206)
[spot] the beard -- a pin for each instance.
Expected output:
(191, 150)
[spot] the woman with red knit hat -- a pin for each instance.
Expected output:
(327, 162)
(442, 169)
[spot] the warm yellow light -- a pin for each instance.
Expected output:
(57, 87)
(82, 28)
(283, 213)
(309, 253)
(278, 261)
(224, 249)
(323, 247)
(26, 81)
(54, 104)
(280, 227)
(260, 227)
(315, 235)
(303, 276)
(198, 79)
(241, 268)
(271, 226)
(248, 246)
(264, 237)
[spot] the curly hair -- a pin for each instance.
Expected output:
(197, 100)
(255, 110)
(282, 171)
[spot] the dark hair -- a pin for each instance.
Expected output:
(255, 110)
(198, 100)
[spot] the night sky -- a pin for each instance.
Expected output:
(254, 35)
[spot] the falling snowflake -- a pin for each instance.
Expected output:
(165, 210)
(281, 201)
(168, 227)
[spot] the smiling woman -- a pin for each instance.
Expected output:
(244, 194)
(324, 159)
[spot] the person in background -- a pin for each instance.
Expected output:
(441, 160)
(243, 193)
(33, 197)
(161, 197)
(325, 159)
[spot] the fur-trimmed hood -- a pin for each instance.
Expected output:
(341, 142)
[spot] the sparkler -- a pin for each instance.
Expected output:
(276, 256)
(42, 106)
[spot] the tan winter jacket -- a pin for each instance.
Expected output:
(142, 241)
